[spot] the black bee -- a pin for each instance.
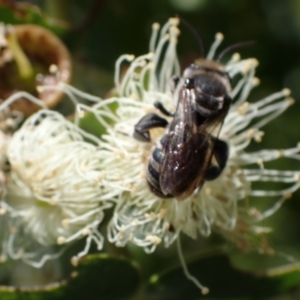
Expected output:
(190, 152)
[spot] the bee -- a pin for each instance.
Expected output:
(190, 152)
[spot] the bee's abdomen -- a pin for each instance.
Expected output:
(153, 173)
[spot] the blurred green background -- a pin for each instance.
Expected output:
(97, 32)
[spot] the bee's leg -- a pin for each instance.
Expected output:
(149, 121)
(162, 109)
(221, 153)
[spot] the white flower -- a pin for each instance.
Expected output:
(9, 121)
(146, 220)
(56, 188)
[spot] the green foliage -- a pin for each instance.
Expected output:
(223, 280)
(108, 277)
(90, 124)
(97, 277)
(26, 13)
(104, 277)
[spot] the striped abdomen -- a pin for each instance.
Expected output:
(153, 173)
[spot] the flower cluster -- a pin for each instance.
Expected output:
(146, 220)
(56, 188)
(61, 178)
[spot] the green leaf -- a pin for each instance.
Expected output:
(48, 292)
(223, 280)
(104, 277)
(90, 124)
(97, 277)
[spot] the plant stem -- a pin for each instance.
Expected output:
(22, 61)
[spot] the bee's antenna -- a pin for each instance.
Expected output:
(195, 33)
(233, 47)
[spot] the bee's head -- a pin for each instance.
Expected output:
(209, 85)
(207, 80)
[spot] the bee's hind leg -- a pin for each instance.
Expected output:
(221, 153)
(149, 121)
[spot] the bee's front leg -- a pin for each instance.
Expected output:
(149, 121)
(221, 153)
(162, 109)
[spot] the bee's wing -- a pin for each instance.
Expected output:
(187, 150)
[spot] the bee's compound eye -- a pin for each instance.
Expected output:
(189, 83)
